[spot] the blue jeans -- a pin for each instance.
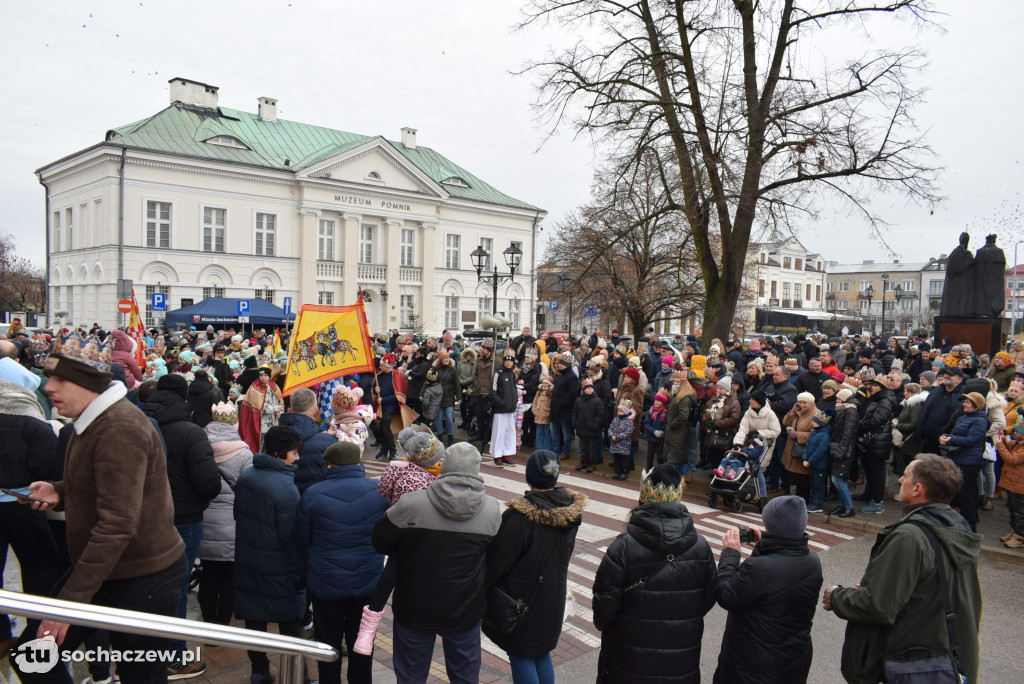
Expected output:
(537, 670)
(191, 534)
(843, 491)
(544, 437)
(692, 451)
(414, 649)
(561, 436)
(447, 413)
(818, 478)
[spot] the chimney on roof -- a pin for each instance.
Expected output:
(193, 93)
(267, 108)
(409, 138)
(868, 262)
(895, 261)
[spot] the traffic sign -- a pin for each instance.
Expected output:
(553, 306)
(159, 302)
(773, 302)
(243, 319)
(243, 308)
(125, 306)
(287, 306)
(590, 309)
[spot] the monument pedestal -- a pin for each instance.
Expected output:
(985, 335)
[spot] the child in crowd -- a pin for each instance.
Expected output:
(654, 428)
(620, 434)
(430, 396)
(816, 457)
(541, 409)
(737, 459)
(588, 419)
(422, 465)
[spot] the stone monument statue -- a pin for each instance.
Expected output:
(958, 294)
(989, 282)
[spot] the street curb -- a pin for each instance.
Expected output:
(988, 551)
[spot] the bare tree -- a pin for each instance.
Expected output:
(630, 248)
(21, 283)
(758, 126)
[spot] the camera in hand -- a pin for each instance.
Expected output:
(747, 535)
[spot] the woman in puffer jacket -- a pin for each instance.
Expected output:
(124, 357)
(652, 590)
(721, 419)
(217, 548)
(968, 436)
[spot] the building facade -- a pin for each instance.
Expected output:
(786, 278)
(868, 291)
(202, 201)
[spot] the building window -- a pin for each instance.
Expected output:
(787, 262)
(799, 264)
(908, 285)
(83, 219)
(451, 311)
(214, 224)
(213, 292)
(405, 303)
(764, 258)
(844, 287)
(809, 292)
(375, 176)
(760, 288)
(452, 251)
(266, 295)
(70, 306)
(817, 292)
(487, 244)
(785, 290)
(325, 298)
(906, 304)
(266, 226)
(844, 304)
(863, 305)
(828, 287)
(158, 224)
(406, 253)
(56, 231)
(936, 287)
(325, 241)
(226, 141)
(366, 234)
(484, 307)
(151, 316)
(775, 289)
(69, 215)
(513, 312)
(864, 284)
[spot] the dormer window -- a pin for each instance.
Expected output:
(375, 177)
(227, 141)
(455, 181)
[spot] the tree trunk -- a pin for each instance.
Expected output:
(719, 311)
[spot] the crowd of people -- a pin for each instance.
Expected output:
(269, 494)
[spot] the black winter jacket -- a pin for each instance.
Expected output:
(202, 395)
(652, 634)
(193, 474)
(504, 392)
(531, 381)
(811, 382)
(876, 425)
(771, 598)
(588, 415)
(844, 437)
(783, 397)
(938, 408)
(418, 368)
(270, 562)
(29, 452)
(563, 396)
(529, 559)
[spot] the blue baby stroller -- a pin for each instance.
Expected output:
(745, 488)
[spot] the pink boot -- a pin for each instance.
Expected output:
(367, 631)
(731, 475)
(719, 471)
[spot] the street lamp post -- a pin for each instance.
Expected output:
(885, 286)
(897, 294)
(480, 256)
(870, 292)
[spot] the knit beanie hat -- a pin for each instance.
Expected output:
(84, 361)
(224, 412)
(822, 418)
(632, 372)
(830, 384)
(759, 396)
(785, 516)
(423, 448)
(343, 454)
(661, 396)
(1004, 356)
(542, 469)
(175, 384)
(844, 394)
(725, 384)
(1018, 427)
(805, 396)
(346, 398)
(929, 376)
(461, 458)
(634, 361)
(668, 360)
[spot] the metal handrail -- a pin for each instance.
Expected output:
(292, 649)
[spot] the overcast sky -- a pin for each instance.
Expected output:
(74, 69)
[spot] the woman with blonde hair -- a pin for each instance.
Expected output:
(678, 424)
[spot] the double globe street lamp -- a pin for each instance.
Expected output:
(897, 294)
(481, 258)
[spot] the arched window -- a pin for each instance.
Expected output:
(375, 176)
(451, 310)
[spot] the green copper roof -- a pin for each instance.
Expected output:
(181, 129)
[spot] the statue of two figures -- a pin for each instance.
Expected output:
(975, 283)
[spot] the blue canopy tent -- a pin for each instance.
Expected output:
(223, 310)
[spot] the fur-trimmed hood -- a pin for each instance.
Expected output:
(468, 354)
(995, 401)
(562, 516)
(915, 399)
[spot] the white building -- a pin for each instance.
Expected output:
(200, 201)
(789, 278)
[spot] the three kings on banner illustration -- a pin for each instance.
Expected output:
(327, 342)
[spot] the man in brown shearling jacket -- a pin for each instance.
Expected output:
(125, 551)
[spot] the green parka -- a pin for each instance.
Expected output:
(897, 604)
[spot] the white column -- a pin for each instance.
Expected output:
(350, 255)
(429, 290)
(309, 225)
(392, 251)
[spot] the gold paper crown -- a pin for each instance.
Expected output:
(88, 350)
(659, 493)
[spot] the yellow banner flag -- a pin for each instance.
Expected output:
(327, 342)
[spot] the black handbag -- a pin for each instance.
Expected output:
(505, 612)
(920, 665)
(949, 451)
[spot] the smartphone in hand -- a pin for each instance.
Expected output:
(22, 497)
